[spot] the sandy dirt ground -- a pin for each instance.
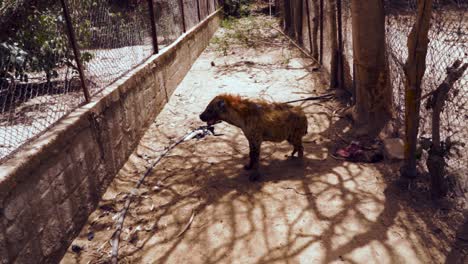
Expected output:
(321, 211)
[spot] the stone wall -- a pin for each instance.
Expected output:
(48, 189)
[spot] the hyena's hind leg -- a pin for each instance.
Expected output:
(298, 148)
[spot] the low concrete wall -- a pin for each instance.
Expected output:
(48, 190)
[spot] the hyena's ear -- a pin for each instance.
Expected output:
(222, 105)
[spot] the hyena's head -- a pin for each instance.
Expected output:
(215, 111)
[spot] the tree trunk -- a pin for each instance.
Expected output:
(414, 71)
(288, 18)
(315, 29)
(436, 160)
(296, 20)
(331, 13)
(373, 108)
(293, 19)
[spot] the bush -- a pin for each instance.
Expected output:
(36, 41)
(236, 8)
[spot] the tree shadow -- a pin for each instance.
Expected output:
(321, 209)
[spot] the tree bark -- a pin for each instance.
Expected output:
(436, 160)
(414, 69)
(297, 12)
(331, 13)
(315, 29)
(288, 20)
(373, 108)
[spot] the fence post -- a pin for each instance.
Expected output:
(340, 45)
(207, 8)
(181, 2)
(154, 32)
(321, 33)
(308, 25)
(76, 51)
(198, 10)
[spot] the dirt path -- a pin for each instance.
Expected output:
(324, 211)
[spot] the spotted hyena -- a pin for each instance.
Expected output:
(260, 121)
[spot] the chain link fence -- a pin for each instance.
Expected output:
(40, 76)
(448, 42)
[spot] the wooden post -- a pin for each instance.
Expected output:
(321, 33)
(184, 27)
(154, 33)
(198, 10)
(308, 25)
(76, 51)
(340, 45)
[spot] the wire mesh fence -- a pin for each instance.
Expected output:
(448, 42)
(191, 13)
(113, 38)
(168, 21)
(40, 81)
(448, 37)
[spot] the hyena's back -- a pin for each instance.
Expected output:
(279, 122)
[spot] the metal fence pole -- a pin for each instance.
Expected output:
(308, 25)
(183, 15)
(321, 33)
(340, 45)
(76, 51)
(198, 10)
(154, 32)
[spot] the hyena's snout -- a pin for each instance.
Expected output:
(209, 116)
(214, 111)
(203, 117)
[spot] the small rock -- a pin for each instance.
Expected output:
(394, 148)
(213, 64)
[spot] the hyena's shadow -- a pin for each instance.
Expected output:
(276, 170)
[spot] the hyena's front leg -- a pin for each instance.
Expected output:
(251, 157)
(254, 147)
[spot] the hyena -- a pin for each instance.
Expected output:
(260, 121)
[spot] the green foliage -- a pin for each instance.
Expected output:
(38, 44)
(228, 23)
(248, 31)
(237, 8)
(12, 62)
(222, 44)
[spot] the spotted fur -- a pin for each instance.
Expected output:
(260, 121)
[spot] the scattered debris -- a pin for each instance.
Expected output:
(394, 148)
(198, 133)
(313, 98)
(187, 225)
(355, 152)
(296, 191)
